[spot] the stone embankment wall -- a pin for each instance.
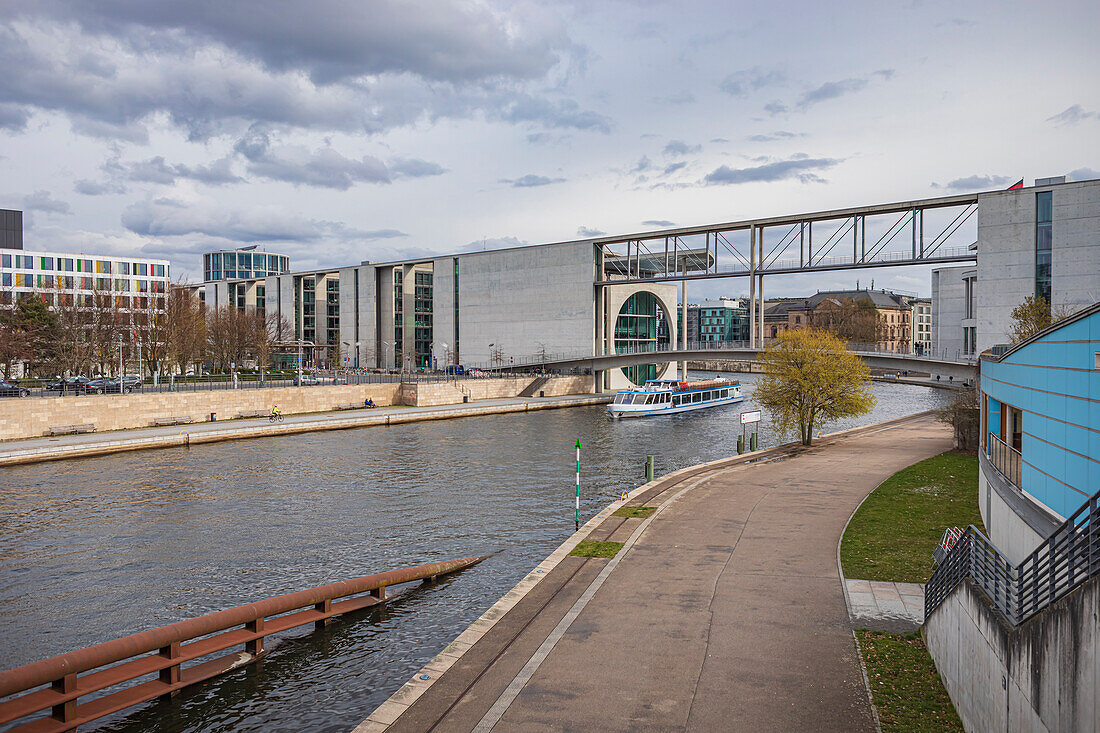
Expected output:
(1042, 676)
(33, 416)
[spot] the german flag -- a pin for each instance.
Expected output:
(1017, 184)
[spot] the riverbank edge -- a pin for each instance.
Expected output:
(243, 432)
(385, 714)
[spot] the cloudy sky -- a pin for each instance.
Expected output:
(339, 131)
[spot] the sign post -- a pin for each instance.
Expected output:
(577, 516)
(751, 417)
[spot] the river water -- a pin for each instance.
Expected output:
(96, 548)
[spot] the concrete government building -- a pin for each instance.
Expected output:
(464, 308)
(1042, 240)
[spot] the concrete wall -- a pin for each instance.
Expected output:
(1075, 247)
(34, 416)
(948, 309)
(450, 393)
(522, 299)
(615, 296)
(1041, 676)
(443, 312)
(1006, 253)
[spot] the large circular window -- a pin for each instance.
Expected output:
(642, 325)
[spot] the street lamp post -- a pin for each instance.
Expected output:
(299, 362)
(491, 358)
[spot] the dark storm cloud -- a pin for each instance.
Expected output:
(802, 168)
(13, 117)
(530, 181)
(975, 183)
(335, 39)
(740, 83)
(212, 67)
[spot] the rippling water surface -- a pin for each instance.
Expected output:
(93, 549)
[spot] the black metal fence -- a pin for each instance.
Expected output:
(279, 379)
(1069, 557)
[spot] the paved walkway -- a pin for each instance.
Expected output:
(885, 605)
(725, 611)
(31, 450)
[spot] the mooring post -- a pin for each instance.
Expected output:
(752, 441)
(648, 469)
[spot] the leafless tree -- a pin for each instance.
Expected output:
(185, 328)
(73, 347)
(105, 323)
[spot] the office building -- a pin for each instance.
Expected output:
(11, 229)
(1043, 240)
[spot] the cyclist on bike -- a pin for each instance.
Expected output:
(275, 413)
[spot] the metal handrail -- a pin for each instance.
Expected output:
(1005, 459)
(65, 673)
(1067, 558)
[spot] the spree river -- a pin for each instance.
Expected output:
(96, 548)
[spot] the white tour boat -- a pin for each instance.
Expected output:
(665, 397)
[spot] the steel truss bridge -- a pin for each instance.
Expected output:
(948, 366)
(921, 232)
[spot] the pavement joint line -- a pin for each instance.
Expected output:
(540, 571)
(500, 707)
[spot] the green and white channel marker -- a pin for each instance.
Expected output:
(577, 517)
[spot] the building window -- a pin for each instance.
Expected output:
(1044, 211)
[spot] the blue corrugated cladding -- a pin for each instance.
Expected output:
(1054, 382)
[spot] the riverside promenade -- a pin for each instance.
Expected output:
(35, 450)
(724, 610)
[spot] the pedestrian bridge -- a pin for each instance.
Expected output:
(949, 367)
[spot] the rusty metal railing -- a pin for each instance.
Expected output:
(163, 651)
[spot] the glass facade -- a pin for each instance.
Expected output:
(49, 276)
(1044, 211)
(638, 328)
(423, 319)
(398, 317)
(242, 265)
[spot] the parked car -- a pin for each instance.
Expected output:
(455, 369)
(106, 386)
(13, 389)
(132, 382)
(70, 384)
(307, 380)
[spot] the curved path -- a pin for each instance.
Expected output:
(725, 610)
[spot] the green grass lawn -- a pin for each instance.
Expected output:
(592, 548)
(893, 534)
(639, 512)
(905, 684)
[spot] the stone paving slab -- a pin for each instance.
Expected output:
(884, 601)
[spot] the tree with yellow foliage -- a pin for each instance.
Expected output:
(810, 378)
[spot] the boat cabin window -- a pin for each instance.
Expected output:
(676, 400)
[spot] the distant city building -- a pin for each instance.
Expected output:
(242, 264)
(1042, 240)
(922, 325)
(133, 283)
(725, 319)
(11, 229)
(892, 309)
(476, 307)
